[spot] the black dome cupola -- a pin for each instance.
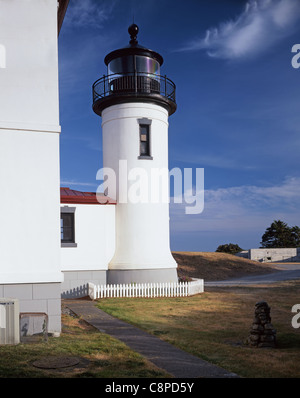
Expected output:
(133, 75)
(133, 30)
(134, 49)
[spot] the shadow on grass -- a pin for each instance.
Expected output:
(288, 341)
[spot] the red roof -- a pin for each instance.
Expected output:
(68, 195)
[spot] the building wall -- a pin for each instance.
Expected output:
(29, 207)
(29, 154)
(95, 240)
(29, 82)
(275, 255)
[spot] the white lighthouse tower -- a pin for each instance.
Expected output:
(135, 101)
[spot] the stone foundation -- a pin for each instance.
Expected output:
(76, 282)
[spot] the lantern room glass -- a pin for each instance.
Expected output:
(134, 63)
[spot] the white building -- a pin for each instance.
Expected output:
(54, 241)
(87, 240)
(30, 267)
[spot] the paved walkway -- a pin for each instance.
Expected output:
(176, 362)
(285, 272)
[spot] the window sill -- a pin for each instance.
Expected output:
(68, 244)
(145, 157)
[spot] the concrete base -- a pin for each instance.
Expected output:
(162, 275)
(76, 282)
(38, 297)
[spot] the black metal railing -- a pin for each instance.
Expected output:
(133, 83)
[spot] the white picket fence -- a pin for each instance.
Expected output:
(149, 290)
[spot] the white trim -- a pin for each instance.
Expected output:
(139, 266)
(13, 279)
(47, 128)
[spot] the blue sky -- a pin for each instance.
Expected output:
(238, 100)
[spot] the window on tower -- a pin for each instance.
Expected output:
(145, 142)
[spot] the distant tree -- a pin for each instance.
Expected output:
(295, 232)
(229, 248)
(279, 234)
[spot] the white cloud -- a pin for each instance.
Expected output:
(74, 184)
(259, 27)
(243, 208)
(90, 13)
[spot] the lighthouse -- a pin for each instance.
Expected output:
(135, 101)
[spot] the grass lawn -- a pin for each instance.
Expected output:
(100, 356)
(212, 266)
(215, 325)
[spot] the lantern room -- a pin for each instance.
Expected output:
(133, 74)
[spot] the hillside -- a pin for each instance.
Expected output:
(217, 266)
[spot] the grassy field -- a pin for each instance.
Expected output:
(213, 325)
(218, 266)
